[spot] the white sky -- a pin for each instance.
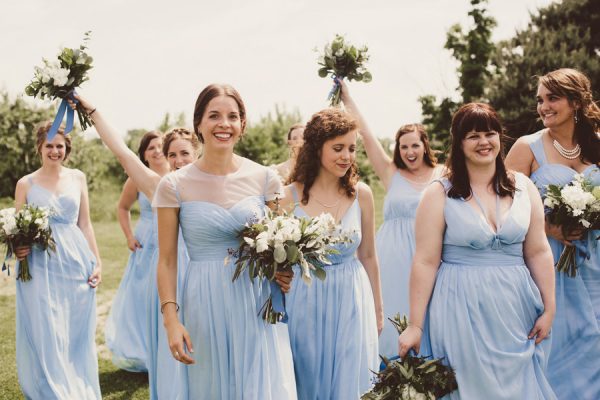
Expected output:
(152, 57)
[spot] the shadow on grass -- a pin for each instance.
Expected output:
(121, 384)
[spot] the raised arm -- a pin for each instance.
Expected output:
(144, 178)
(128, 197)
(366, 250)
(539, 260)
(382, 163)
(429, 231)
(85, 224)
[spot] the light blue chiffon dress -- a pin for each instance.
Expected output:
(126, 329)
(237, 354)
(485, 303)
(395, 243)
(56, 309)
(574, 363)
(332, 323)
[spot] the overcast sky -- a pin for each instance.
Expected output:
(152, 57)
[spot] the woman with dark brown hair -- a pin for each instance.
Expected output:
(295, 140)
(404, 176)
(334, 323)
(568, 145)
(481, 285)
(215, 329)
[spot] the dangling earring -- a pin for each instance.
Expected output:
(575, 117)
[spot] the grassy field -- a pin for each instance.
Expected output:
(115, 384)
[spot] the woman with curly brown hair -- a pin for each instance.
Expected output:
(569, 144)
(334, 323)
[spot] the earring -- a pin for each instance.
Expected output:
(575, 117)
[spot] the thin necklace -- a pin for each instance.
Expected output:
(328, 205)
(572, 154)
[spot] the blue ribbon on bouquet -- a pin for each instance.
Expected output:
(278, 301)
(582, 252)
(60, 115)
(336, 84)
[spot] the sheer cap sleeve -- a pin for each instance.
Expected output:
(166, 193)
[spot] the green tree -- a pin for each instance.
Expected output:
(565, 34)
(473, 50)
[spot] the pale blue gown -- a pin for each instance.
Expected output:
(56, 309)
(332, 323)
(574, 363)
(395, 243)
(237, 355)
(126, 329)
(485, 303)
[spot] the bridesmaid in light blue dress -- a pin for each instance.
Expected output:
(405, 177)
(484, 267)
(334, 324)
(56, 309)
(126, 329)
(215, 329)
(573, 366)
(163, 373)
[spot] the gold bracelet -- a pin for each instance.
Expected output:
(416, 326)
(164, 303)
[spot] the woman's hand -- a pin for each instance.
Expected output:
(541, 328)
(179, 340)
(344, 92)
(22, 252)
(85, 103)
(556, 232)
(409, 339)
(380, 320)
(96, 277)
(133, 244)
(284, 280)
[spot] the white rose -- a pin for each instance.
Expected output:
(38, 221)
(586, 224)
(339, 53)
(250, 242)
(262, 242)
(550, 202)
(279, 253)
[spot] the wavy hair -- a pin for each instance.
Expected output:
(41, 133)
(180, 133)
(478, 117)
(429, 156)
(576, 87)
(323, 126)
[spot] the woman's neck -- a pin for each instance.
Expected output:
(51, 170)
(481, 176)
(219, 163)
(326, 182)
(564, 134)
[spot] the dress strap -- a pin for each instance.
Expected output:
(294, 193)
(30, 180)
(536, 144)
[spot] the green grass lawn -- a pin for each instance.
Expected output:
(114, 383)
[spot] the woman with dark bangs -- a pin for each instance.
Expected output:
(483, 265)
(334, 323)
(569, 144)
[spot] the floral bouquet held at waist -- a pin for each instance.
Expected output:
(343, 60)
(412, 378)
(277, 242)
(574, 206)
(59, 79)
(27, 228)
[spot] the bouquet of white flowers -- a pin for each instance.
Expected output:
(343, 60)
(58, 79)
(575, 205)
(277, 242)
(28, 227)
(412, 378)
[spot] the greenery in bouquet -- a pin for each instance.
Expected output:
(414, 378)
(277, 242)
(341, 59)
(574, 206)
(58, 78)
(27, 227)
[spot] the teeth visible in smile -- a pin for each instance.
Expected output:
(411, 158)
(223, 135)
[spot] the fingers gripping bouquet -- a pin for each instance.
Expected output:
(574, 206)
(29, 227)
(343, 60)
(58, 79)
(413, 378)
(277, 242)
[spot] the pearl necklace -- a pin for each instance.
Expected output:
(568, 154)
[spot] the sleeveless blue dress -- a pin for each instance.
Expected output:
(574, 363)
(485, 303)
(56, 309)
(126, 329)
(332, 323)
(395, 243)
(237, 355)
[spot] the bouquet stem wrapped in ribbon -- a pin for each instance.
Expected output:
(28, 227)
(59, 79)
(276, 243)
(342, 60)
(574, 206)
